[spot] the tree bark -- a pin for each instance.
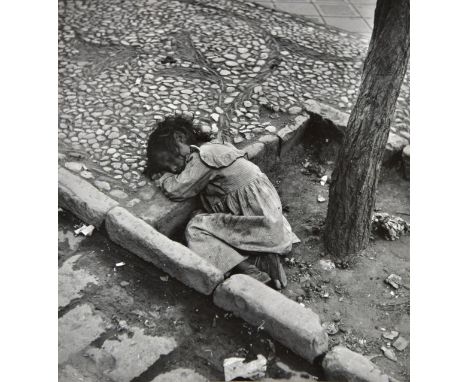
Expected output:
(354, 180)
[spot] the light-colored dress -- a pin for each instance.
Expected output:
(244, 210)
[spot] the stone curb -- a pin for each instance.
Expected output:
(291, 324)
(94, 207)
(165, 215)
(288, 322)
(290, 130)
(268, 149)
(140, 238)
(338, 117)
(83, 199)
(342, 364)
(395, 143)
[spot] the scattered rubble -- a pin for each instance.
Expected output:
(390, 335)
(388, 226)
(401, 343)
(85, 230)
(321, 199)
(327, 265)
(389, 353)
(236, 368)
(394, 280)
(331, 327)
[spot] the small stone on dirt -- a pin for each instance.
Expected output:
(324, 294)
(85, 230)
(330, 327)
(400, 344)
(327, 265)
(389, 353)
(321, 199)
(388, 226)
(124, 284)
(394, 280)
(235, 368)
(390, 335)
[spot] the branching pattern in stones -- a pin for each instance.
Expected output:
(126, 64)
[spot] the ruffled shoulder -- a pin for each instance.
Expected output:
(219, 155)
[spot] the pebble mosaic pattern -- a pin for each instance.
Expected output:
(124, 65)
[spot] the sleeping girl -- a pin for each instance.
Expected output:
(242, 228)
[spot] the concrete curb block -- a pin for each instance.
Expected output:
(290, 130)
(395, 143)
(164, 215)
(294, 326)
(140, 238)
(83, 199)
(342, 364)
(338, 117)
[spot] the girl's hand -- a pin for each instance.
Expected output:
(159, 182)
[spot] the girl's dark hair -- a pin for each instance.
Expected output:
(162, 140)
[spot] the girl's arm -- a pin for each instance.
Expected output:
(190, 182)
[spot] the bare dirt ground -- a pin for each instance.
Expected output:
(138, 295)
(356, 302)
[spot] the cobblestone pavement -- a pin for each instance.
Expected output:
(121, 319)
(351, 15)
(239, 69)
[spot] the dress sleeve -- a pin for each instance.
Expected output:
(190, 182)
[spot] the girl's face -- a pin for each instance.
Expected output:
(172, 162)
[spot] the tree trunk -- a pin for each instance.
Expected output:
(354, 180)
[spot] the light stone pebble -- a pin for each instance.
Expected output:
(102, 185)
(74, 166)
(133, 202)
(294, 110)
(87, 174)
(119, 194)
(128, 94)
